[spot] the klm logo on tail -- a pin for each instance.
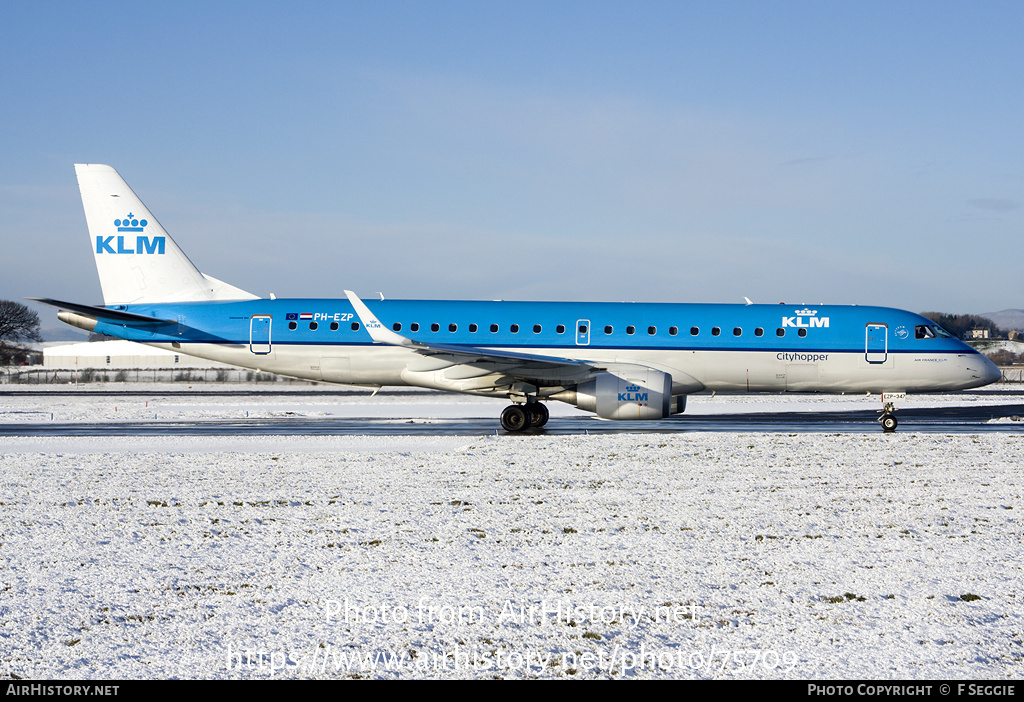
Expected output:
(143, 244)
(130, 224)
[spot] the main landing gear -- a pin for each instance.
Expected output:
(521, 417)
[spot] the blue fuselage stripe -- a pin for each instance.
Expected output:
(827, 329)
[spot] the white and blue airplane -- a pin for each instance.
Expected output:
(624, 361)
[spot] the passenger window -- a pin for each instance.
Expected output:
(355, 326)
(583, 329)
(802, 332)
(514, 329)
(472, 329)
(694, 331)
(737, 331)
(759, 332)
(293, 325)
(435, 327)
(397, 326)
(780, 332)
(453, 327)
(715, 331)
(415, 326)
(672, 331)
(312, 326)
(334, 326)
(494, 328)
(536, 329)
(560, 329)
(652, 330)
(608, 329)
(630, 329)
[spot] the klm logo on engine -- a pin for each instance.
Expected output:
(633, 394)
(125, 244)
(805, 319)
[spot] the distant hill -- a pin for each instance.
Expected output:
(1007, 319)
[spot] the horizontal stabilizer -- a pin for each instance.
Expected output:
(108, 315)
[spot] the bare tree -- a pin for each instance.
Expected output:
(17, 323)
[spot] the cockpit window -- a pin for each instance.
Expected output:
(931, 331)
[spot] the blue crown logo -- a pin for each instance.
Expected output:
(130, 224)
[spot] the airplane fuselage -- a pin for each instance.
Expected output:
(722, 347)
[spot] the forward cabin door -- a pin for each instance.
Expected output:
(876, 343)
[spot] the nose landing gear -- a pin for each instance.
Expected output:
(888, 411)
(887, 419)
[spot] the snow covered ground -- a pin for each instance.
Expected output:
(649, 555)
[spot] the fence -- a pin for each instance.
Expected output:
(37, 375)
(1012, 374)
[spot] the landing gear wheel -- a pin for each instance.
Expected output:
(888, 422)
(514, 418)
(538, 412)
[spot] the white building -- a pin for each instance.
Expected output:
(119, 354)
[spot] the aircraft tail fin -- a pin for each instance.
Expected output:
(136, 259)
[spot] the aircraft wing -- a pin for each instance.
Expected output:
(525, 364)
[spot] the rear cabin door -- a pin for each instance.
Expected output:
(259, 334)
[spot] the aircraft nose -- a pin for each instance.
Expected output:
(981, 371)
(990, 373)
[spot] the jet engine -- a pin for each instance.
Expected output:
(635, 393)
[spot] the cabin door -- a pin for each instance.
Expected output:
(259, 334)
(876, 343)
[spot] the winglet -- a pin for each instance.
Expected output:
(377, 331)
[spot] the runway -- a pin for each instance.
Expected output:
(962, 419)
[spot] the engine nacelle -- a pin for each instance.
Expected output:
(627, 394)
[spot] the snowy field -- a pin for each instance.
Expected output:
(647, 555)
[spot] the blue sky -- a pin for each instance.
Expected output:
(817, 152)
